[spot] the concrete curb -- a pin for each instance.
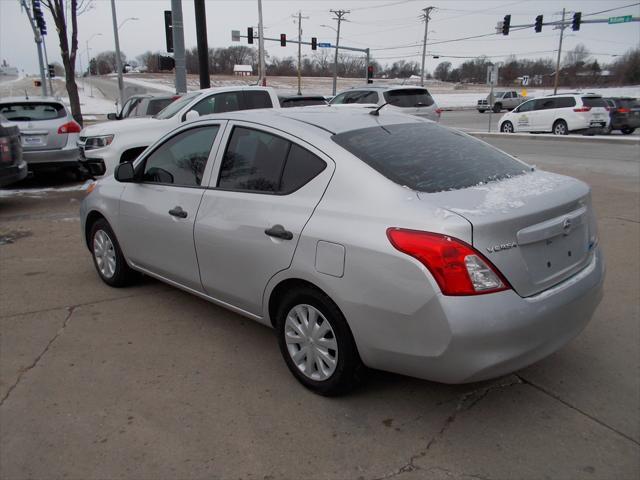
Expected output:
(560, 138)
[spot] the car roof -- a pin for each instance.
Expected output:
(326, 118)
(385, 87)
(301, 97)
(32, 99)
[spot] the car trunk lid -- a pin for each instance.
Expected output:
(536, 228)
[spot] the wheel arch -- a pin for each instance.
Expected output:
(281, 288)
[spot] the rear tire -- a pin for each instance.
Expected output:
(107, 256)
(322, 356)
(560, 128)
(506, 127)
(627, 130)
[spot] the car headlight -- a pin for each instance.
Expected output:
(98, 142)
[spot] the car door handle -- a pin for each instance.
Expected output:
(278, 231)
(178, 212)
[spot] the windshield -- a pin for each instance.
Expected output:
(176, 106)
(409, 97)
(32, 111)
(499, 94)
(428, 157)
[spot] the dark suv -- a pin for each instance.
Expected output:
(13, 168)
(624, 113)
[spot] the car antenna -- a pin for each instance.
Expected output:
(26, 95)
(376, 112)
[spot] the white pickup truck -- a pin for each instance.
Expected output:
(502, 100)
(105, 145)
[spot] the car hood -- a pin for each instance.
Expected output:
(117, 126)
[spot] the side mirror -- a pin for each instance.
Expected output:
(112, 116)
(124, 173)
(191, 115)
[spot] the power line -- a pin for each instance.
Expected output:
(611, 9)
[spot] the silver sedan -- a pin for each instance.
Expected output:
(382, 241)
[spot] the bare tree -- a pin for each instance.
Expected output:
(60, 11)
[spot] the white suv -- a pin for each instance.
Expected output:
(105, 145)
(559, 114)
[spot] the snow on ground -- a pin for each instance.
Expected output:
(41, 192)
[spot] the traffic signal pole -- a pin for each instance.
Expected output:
(557, 79)
(178, 46)
(118, 59)
(300, 17)
(38, 39)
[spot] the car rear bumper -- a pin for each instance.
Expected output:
(617, 124)
(65, 157)
(13, 174)
(485, 336)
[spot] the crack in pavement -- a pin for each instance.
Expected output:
(556, 397)
(39, 357)
(465, 402)
(92, 302)
(622, 219)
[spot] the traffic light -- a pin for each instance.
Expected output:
(38, 16)
(538, 26)
(314, 43)
(370, 74)
(283, 39)
(506, 24)
(250, 34)
(52, 70)
(577, 18)
(168, 29)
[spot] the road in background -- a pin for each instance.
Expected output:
(152, 382)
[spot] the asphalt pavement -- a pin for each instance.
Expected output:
(150, 382)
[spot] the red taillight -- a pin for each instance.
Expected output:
(623, 110)
(582, 109)
(70, 127)
(5, 149)
(457, 267)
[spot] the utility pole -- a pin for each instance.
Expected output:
(338, 16)
(262, 80)
(178, 46)
(38, 39)
(562, 27)
(426, 17)
(118, 59)
(203, 46)
(299, 17)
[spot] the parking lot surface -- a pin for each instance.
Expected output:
(150, 382)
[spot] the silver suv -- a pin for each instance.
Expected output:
(48, 132)
(405, 99)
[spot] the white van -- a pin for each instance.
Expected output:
(559, 114)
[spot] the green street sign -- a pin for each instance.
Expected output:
(623, 19)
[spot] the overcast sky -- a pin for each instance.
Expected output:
(382, 25)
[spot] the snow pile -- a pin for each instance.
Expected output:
(41, 192)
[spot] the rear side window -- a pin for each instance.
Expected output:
(156, 106)
(409, 97)
(364, 96)
(260, 162)
(257, 99)
(301, 102)
(565, 102)
(594, 102)
(32, 111)
(427, 157)
(181, 160)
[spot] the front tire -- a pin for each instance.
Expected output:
(107, 256)
(497, 108)
(316, 342)
(506, 127)
(560, 128)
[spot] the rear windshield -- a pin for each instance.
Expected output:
(409, 97)
(157, 105)
(594, 102)
(427, 157)
(176, 106)
(628, 103)
(32, 111)
(302, 102)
